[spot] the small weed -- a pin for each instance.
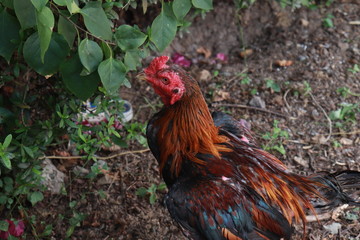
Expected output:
(216, 73)
(355, 69)
(253, 91)
(136, 131)
(275, 139)
(75, 220)
(245, 79)
(327, 21)
(307, 88)
(336, 144)
(270, 83)
(142, 192)
(240, 4)
(346, 113)
(345, 92)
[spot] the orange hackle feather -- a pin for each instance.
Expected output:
(181, 142)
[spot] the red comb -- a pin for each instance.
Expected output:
(156, 65)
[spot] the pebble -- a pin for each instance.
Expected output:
(53, 179)
(257, 101)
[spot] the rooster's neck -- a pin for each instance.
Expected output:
(186, 129)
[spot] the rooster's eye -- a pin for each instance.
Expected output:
(165, 81)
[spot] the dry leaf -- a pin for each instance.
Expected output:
(108, 178)
(246, 53)
(278, 100)
(321, 139)
(220, 95)
(346, 141)
(283, 63)
(204, 75)
(301, 161)
(304, 22)
(205, 51)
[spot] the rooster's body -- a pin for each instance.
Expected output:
(221, 184)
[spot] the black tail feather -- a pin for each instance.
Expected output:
(337, 188)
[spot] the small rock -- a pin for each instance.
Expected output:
(315, 114)
(256, 101)
(333, 228)
(346, 141)
(53, 179)
(302, 58)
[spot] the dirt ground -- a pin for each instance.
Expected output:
(320, 56)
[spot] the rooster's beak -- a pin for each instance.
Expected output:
(141, 76)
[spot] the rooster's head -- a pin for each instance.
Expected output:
(165, 80)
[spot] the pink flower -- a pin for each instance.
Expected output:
(14, 230)
(221, 57)
(180, 60)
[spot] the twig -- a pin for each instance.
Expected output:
(316, 218)
(354, 22)
(248, 107)
(101, 158)
(284, 97)
(346, 133)
(327, 117)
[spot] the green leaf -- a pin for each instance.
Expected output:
(132, 59)
(4, 225)
(72, 6)
(280, 148)
(45, 24)
(39, 4)
(203, 4)
(7, 141)
(141, 191)
(161, 186)
(25, 13)
(152, 198)
(181, 8)
(90, 54)
(4, 156)
(9, 34)
(67, 29)
(29, 151)
(163, 28)
(112, 74)
(82, 87)
(128, 37)
(7, 4)
(70, 231)
(35, 197)
(3, 199)
(55, 55)
(60, 2)
(96, 21)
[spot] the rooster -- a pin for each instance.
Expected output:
(222, 185)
